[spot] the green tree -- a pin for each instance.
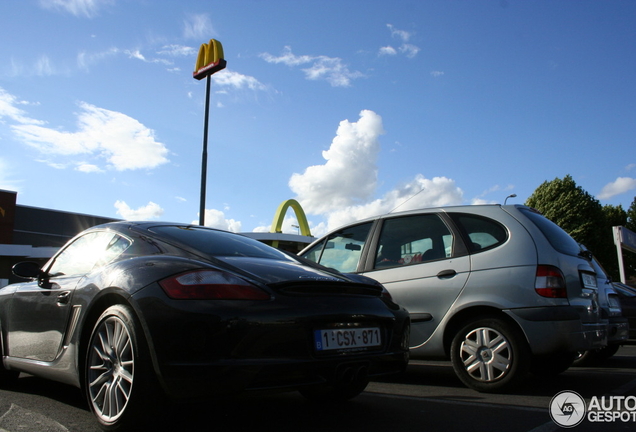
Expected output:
(582, 216)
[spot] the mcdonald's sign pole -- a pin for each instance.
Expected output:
(209, 61)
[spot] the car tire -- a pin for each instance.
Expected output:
(350, 384)
(118, 378)
(490, 355)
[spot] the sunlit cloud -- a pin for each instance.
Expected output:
(147, 212)
(216, 219)
(387, 50)
(617, 187)
(343, 188)
(9, 109)
(229, 78)
(7, 180)
(178, 51)
(409, 50)
(79, 8)
(124, 142)
(197, 26)
(330, 69)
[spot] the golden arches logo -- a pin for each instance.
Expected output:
(277, 224)
(210, 59)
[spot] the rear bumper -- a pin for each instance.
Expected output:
(231, 377)
(552, 330)
(617, 330)
(217, 348)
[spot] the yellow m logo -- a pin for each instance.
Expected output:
(300, 215)
(210, 59)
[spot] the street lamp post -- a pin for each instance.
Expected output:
(509, 196)
(209, 61)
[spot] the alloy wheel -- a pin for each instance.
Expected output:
(111, 365)
(486, 354)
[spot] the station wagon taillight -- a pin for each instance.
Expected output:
(210, 285)
(550, 282)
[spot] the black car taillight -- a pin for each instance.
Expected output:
(211, 285)
(550, 282)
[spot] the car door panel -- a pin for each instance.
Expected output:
(425, 289)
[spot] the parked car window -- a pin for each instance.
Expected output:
(115, 248)
(86, 252)
(558, 238)
(341, 250)
(483, 233)
(413, 239)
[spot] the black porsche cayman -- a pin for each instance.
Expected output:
(127, 310)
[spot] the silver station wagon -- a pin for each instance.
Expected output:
(500, 290)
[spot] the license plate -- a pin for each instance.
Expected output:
(339, 339)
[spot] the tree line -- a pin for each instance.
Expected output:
(587, 220)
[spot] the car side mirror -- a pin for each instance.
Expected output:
(27, 270)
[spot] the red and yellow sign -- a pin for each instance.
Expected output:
(210, 59)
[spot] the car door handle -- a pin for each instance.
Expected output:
(446, 274)
(64, 297)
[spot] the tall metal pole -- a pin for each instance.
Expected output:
(204, 156)
(209, 61)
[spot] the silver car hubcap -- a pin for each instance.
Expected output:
(486, 354)
(111, 369)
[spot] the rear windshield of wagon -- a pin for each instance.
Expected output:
(558, 238)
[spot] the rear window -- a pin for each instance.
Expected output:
(558, 238)
(219, 243)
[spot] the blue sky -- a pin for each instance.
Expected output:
(352, 108)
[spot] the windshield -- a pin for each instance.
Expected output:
(219, 243)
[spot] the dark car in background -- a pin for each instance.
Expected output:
(611, 313)
(499, 290)
(132, 311)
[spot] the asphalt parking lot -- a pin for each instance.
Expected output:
(428, 397)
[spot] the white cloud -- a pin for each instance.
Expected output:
(178, 51)
(399, 34)
(407, 49)
(342, 189)
(418, 193)
(123, 141)
(198, 26)
(330, 69)
(387, 50)
(87, 8)
(43, 66)
(6, 171)
(85, 60)
(619, 186)
(88, 168)
(437, 74)
(9, 109)
(216, 219)
(229, 78)
(147, 212)
(350, 174)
